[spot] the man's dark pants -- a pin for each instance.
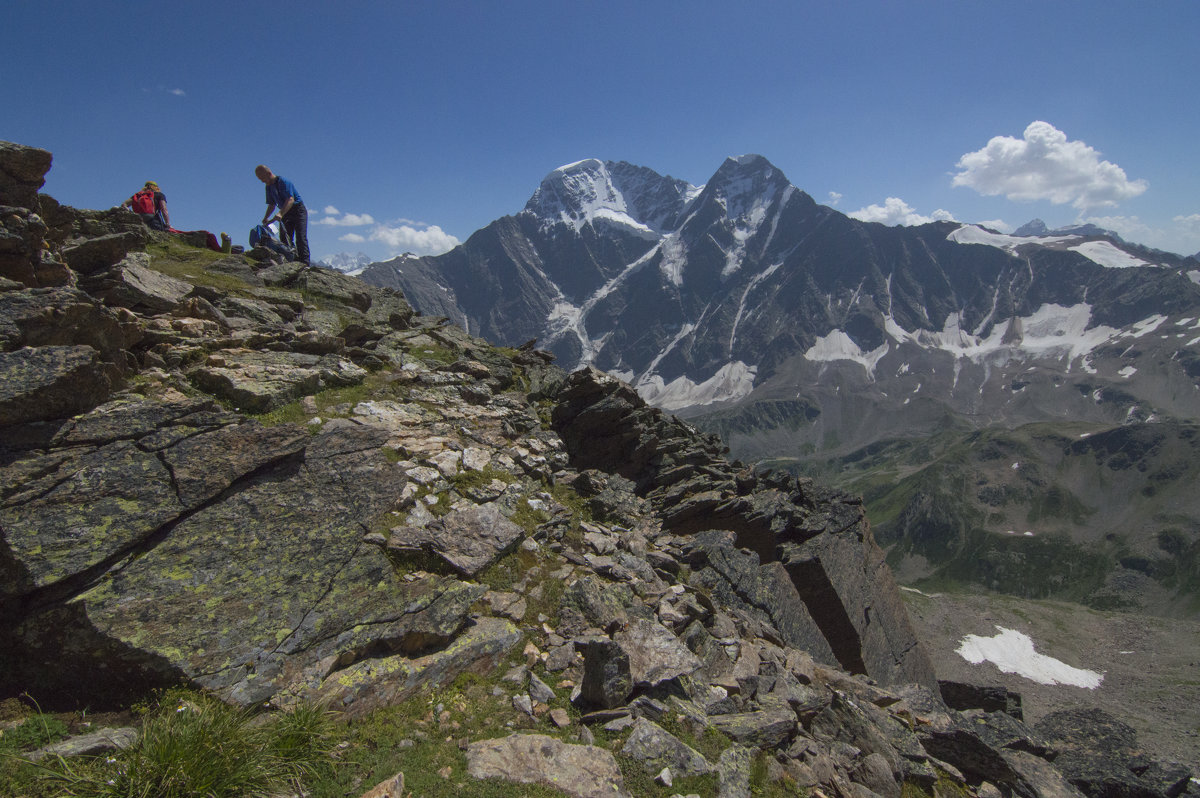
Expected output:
(296, 224)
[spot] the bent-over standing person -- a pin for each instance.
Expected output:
(292, 211)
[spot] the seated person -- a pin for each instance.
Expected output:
(151, 205)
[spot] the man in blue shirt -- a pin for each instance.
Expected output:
(292, 212)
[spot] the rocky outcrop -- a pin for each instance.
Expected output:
(801, 555)
(272, 483)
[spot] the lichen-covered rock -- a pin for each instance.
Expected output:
(656, 749)
(581, 771)
(48, 382)
(655, 654)
(257, 381)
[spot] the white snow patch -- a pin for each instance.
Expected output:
(1146, 326)
(733, 381)
(674, 259)
(1012, 652)
(839, 346)
(974, 234)
(1194, 276)
(1127, 372)
(622, 219)
(758, 278)
(1108, 256)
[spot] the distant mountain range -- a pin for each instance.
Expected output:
(809, 338)
(346, 262)
(745, 292)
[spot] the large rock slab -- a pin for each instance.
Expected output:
(132, 284)
(49, 382)
(63, 317)
(88, 255)
(224, 554)
(257, 381)
(470, 540)
(379, 681)
(582, 771)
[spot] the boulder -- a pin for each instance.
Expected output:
(467, 540)
(22, 174)
(606, 675)
(21, 243)
(132, 284)
(581, 771)
(764, 730)
(88, 255)
(962, 695)
(734, 769)
(655, 748)
(655, 654)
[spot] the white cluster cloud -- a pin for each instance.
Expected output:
(895, 211)
(1044, 165)
(1190, 223)
(402, 235)
(337, 219)
(415, 238)
(834, 198)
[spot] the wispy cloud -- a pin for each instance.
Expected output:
(834, 198)
(895, 211)
(177, 92)
(353, 238)
(1045, 165)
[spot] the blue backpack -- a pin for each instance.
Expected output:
(261, 236)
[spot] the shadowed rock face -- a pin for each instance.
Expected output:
(848, 609)
(419, 518)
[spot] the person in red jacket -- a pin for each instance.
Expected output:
(151, 205)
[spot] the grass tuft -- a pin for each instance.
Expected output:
(192, 744)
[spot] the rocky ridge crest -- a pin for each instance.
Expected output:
(278, 484)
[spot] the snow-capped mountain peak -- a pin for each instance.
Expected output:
(606, 192)
(345, 262)
(745, 184)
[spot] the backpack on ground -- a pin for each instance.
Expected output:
(143, 202)
(261, 236)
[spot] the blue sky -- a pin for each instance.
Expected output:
(417, 123)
